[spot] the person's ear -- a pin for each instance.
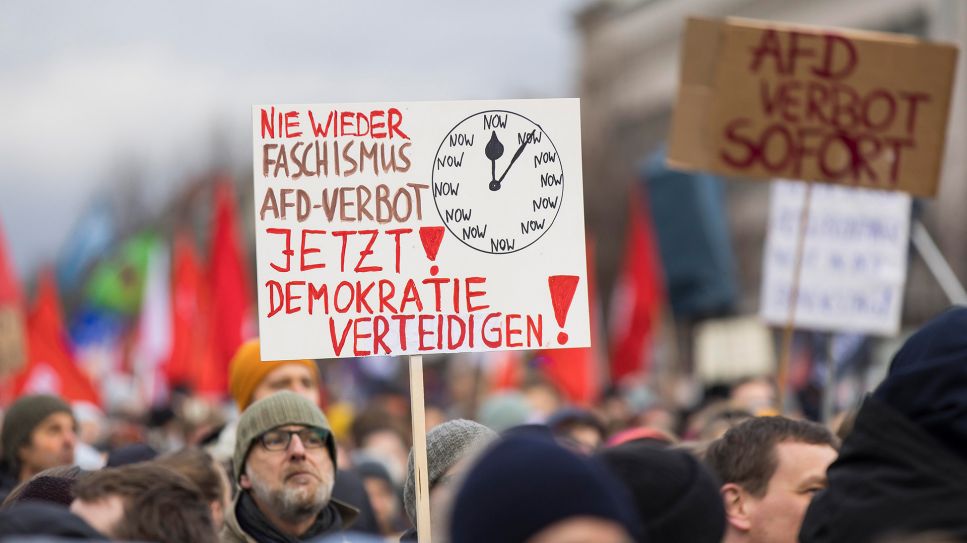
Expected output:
(245, 482)
(737, 506)
(218, 513)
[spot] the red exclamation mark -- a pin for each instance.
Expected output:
(562, 292)
(431, 236)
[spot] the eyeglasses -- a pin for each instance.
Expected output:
(278, 440)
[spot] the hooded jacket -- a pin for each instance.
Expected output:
(890, 477)
(903, 469)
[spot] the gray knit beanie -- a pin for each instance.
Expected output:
(446, 445)
(280, 409)
(21, 419)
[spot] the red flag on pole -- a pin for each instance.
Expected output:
(192, 359)
(51, 368)
(231, 301)
(576, 372)
(638, 295)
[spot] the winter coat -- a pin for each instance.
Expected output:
(891, 477)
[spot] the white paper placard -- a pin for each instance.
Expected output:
(419, 227)
(854, 260)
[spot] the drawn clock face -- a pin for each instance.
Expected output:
(498, 181)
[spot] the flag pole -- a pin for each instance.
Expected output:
(786, 351)
(420, 470)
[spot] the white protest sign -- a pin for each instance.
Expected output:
(854, 259)
(419, 227)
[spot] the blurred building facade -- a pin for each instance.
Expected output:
(628, 82)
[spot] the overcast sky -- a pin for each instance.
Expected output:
(84, 85)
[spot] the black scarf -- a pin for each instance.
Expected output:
(254, 523)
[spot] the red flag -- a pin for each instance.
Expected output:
(575, 372)
(51, 368)
(506, 370)
(638, 296)
(231, 301)
(192, 359)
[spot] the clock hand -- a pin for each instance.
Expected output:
(494, 151)
(517, 155)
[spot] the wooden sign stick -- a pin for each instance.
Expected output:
(420, 470)
(786, 353)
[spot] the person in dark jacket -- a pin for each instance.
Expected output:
(903, 468)
(285, 464)
(36, 519)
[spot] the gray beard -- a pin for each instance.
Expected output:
(292, 505)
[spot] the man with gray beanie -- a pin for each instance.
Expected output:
(284, 464)
(39, 432)
(449, 446)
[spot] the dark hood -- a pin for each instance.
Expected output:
(927, 382)
(891, 477)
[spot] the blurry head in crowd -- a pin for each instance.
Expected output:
(144, 502)
(544, 398)
(39, 432)
(527, 489)
(770, 468)
(676, 497)
(615, 409)
(130, 454)
(54, 485)
(378, 436)
(449, 448)
(720, 417)
(578, 429)
(382, 494)
(756, 395)
(250, 379)
(285, 460)
(199, 467)
(505, 410)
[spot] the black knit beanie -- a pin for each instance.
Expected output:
(525, 484)
(676, 496)
(21, 419)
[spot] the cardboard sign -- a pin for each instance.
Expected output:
(424, 227)
(764, 100)
(854, 258)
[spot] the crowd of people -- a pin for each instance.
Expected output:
(893, 471)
